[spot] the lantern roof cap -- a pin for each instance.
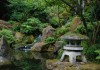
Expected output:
(74, 36)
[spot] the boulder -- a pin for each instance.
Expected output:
(4, 48)
(42, 47)
(29, 39)
(22, 40)
(51, 47)
(47, 32)
(18, 37)
(58, 45)
(38, 46)
(4, 52)
(37, 55)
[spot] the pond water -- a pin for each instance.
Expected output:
(22, 60)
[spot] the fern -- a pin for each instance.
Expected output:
(98, 51)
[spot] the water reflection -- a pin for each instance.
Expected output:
(29, 60)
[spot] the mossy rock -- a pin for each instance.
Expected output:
(18, 37)
(38, 46)
(29, 39)
(47, 32)
(19, 45)
(42, 47)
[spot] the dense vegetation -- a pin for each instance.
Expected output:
(31, 16)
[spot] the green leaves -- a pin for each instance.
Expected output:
(54, 21)
(8, 34)
(32, 25)
(17, 16)
(90, 50)
(50, 40)
(64, 29)
(20, 10)
(98, 51)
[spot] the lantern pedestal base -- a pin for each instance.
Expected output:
(72, 56)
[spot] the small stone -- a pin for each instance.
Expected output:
(82, 63)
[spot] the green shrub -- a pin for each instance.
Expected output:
(17, 16)
(31, 25)
(98, 51)
(60, 52)
(19, 9)
(64, 29)
(89, 50)
(15, 25)
(50, 40)
(81, 29)
(54, 21)
(8, 34)
(12, 22)
(42, 26)
(93, 32)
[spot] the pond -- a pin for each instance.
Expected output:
(28, 60)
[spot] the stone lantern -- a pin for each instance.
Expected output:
(73, 47)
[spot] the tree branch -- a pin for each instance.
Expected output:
(68, 5)
(80, 14)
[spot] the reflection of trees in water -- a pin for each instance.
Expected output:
(18, 55)
(43, 55)
(29, 60)
(27, 64)
(43, 61)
